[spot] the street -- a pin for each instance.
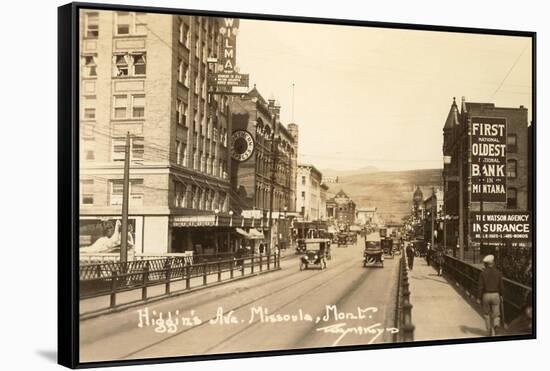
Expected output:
(345, 304)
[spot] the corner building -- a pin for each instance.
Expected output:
(146, 74)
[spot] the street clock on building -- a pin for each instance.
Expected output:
(242, 145)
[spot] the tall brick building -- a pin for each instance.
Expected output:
(456, 144)
(146, 74)
(262, 177)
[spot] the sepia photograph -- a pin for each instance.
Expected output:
(252, 185)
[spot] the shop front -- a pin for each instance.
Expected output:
(215, 234)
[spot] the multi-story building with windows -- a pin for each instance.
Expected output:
(262, 166)
(145, 75)
(309, 190)
(456, 150)
(341, 209)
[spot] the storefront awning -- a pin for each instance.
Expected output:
(256, 234)
(242, 232)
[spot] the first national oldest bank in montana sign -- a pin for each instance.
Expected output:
(488, 167)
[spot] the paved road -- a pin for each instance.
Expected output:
(344, 304)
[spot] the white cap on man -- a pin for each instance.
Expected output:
(489, 259)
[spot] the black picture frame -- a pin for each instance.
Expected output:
(68, 186)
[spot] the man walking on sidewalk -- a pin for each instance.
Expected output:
(490, 293)
(410, 256)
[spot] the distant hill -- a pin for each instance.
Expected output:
(390, 191)
(340, 173)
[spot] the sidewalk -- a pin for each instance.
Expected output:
(439, 311)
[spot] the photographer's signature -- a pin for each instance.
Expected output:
(341, 329)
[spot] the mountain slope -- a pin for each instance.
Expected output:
(390, 191)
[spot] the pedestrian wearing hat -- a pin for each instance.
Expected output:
(490, 292)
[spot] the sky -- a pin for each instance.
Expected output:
(378, 97)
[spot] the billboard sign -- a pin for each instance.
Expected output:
(230, 79)
(500, 226)
(488, 166)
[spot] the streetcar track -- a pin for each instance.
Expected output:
(354, 288)
(282, 306)
(205, 301)
(205, 322)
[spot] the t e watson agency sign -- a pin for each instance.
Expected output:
(488, 167)
(499, 226)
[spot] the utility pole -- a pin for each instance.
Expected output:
(125, 198)
(482, 180)
(461, 196)
(272, 189)
(433, 212)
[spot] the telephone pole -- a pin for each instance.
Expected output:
(434, 209)
(125, 197)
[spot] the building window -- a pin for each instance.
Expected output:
(197, 86)
(141, 25)
(179, 194)
(186, 75)
(139, 62)
(135, 192)
(92, 25)
(303, 180)
(130, 24)
(121, 65)
(512, 198)
(123, 23)
(178, 152)
(303, 195)
(134, 64)
(181, 112)
(89, 108)
(183, 154)
(90, 66)
(184, 34)
(90, 155)
(512, 143)
(512, 169)
(121, 106)
(87, 192)
(88, 131)
(204, 88)
(138, 106)
(137, 149)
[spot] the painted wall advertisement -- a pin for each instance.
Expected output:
(499, 226)
(488, 167)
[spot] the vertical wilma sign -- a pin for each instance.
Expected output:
(488, 167)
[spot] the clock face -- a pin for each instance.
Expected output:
(242, 145)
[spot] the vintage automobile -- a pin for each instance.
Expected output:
(373, 256)
(300, 246)
(342, 239)
(387, 247)
(316, 254)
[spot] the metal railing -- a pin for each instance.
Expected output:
(467, 275)
(403, 318)
(115, 277)
(95, 258)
